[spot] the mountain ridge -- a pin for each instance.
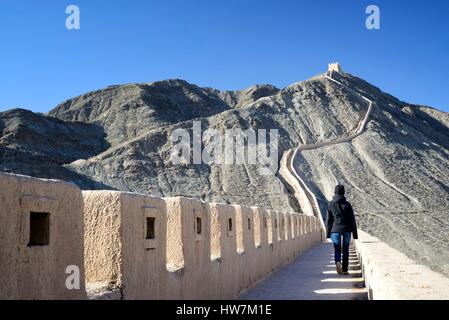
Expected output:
(399, 164)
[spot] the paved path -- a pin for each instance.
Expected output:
(311, 276)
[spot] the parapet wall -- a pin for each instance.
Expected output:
(390, 275)
(133, 246)
(179, 248)
(41, 234)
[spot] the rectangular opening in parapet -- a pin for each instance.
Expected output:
(229, 224)
(275, 223)
(39, 229)
(198, 226)
(249, 224)
(265, 222)
(151, 228)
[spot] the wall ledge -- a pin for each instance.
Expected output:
(391, 275)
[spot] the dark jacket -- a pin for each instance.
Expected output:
(340, 217)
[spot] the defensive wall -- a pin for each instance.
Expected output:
(142, 247)
(180, 248)
(391, 275)
(137, 246)
(41, 234)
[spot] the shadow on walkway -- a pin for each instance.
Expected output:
(312, 276)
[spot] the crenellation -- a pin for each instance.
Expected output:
(41, 235)
(134, 246)
(334, 67)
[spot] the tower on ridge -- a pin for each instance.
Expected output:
(334, 67)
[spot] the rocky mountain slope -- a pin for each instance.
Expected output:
(396, 172)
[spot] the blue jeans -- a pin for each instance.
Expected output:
(336, 239)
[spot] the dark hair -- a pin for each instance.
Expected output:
(340, 190)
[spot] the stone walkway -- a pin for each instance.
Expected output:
(312, 276)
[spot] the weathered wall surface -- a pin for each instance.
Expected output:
(102, 241)
(133, 246)
(199, 250)
(118, 254)
(391, 275)
(37, 270)
(143, 259)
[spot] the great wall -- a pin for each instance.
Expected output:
(135, 246)
(303, 194)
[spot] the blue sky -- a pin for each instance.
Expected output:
(222, 44)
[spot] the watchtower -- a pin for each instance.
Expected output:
(334, 67)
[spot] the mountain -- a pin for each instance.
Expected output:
(39, 146)
(396, 171)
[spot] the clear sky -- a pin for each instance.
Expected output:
(225, 44)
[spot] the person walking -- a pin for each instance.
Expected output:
(340, 223)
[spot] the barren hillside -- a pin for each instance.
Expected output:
(396, 172)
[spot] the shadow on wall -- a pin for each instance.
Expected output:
(162, 248)
(319, 195)
(137, 246)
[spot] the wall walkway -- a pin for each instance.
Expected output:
(312, 276)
